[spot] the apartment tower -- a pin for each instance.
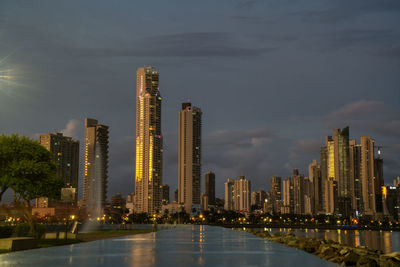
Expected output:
(149, 142)
(96, 165)
(189, 156)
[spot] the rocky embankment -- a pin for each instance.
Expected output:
(333, 251)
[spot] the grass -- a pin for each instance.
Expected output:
(46, 243)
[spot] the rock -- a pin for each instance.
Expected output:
(343, 252)
(365, 261)
(395, 255)
(351, 258)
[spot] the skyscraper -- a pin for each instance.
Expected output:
(276, 196)
(367, 175)
(189, 156)
(287, 192)
(355, 176)
(242, 194)
(229, 195)
(96, 165)
(314, 173)
(165, 194)
(342, 169)
(65, 152)
(209, 186)
(149, 142)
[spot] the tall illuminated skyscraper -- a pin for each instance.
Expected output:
(189, 156)
(96, 166)
(149, 142)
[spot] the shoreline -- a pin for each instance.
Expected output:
(333, 251)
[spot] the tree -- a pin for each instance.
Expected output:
(27, 168)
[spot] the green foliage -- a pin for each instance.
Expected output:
(21, 229)
(27, 168)
(24, 229)
(6, 231)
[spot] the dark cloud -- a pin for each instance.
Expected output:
(247, 4)
(342, 10)
(72, 128)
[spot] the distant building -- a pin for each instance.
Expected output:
(96, 165)
(355, 177)
(342, 168)
(229, 195)
(65, 153)
(258, 198)
(367, 175)
(238, 194)
(176, 195)
(209, 187)
(314, 173)
(276, 196)
(287, 192)
(204, 202)
(165, 197)
(298, 192)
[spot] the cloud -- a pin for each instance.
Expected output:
(302, 152)
(72, 128)
(357, 109)
(247, 4)
(342, 10)
(189, 44)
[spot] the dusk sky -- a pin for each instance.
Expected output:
(272, 77)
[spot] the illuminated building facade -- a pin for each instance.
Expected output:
(96, 165)
(149, 142)
(276, 193)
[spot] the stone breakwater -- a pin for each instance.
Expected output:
(333, 251)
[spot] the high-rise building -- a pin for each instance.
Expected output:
(189, 156)
(65, 152)
(368, 174)
(238, 194)
(355, 176)
(276, 190)
(149, 142)
(342, 169)
(298, 192)
(229, 195)
(242, 193)
(287, 192)
(379, 183)
(209, 184)
(258, 198)
(165, 194)
(314, 173)
(96, 165)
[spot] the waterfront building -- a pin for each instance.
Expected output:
(149, 142)
(396, 182)
(287, 192)
(298, 192)
(238, 195)
(189, 156)
(258, 199)
(308, 196)
(65, 154)
(314, 173)
(342, 170)
(355, 177)
(367, 175)
(96, 165)
(330, 196)
(229, 195)
(327, 170)
(276, 193)
(176, 195)
(242, 192)
(209, 187)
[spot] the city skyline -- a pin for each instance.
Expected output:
(283, 74)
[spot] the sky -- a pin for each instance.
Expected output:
(272, 77)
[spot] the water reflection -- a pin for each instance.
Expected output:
(386, 241)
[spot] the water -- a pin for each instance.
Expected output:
(191, 245)
(383, 240)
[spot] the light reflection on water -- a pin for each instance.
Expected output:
(181, 246)
(383, 240)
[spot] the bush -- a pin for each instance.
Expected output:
(21, 229)
(40, 229)
(6, 231)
